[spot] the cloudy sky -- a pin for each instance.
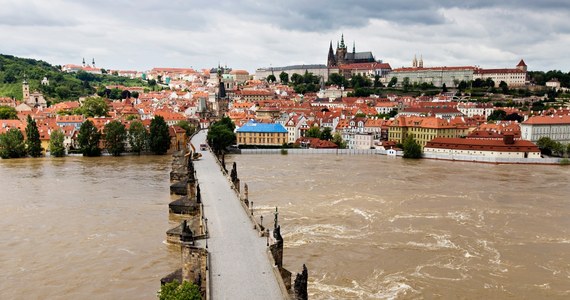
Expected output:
(142, 34)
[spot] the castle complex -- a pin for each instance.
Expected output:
(343, 57)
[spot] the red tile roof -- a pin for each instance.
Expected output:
(482, 145)
(548, 120)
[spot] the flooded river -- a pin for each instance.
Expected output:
(368, 227)
(84, 228)
(374, 227)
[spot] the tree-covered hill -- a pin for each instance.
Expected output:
(62, 86)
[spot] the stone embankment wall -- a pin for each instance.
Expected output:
(467, 158)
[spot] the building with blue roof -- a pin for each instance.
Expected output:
(261, 134)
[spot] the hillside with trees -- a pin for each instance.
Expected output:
(62, 86)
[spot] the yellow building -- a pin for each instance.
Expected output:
(423, 129)
(261, 134)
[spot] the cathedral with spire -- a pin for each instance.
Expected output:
(343, 57)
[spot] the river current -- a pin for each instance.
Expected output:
(367, 227)
(85, 228)
(376, 227)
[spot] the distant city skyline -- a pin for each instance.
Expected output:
(140, 35)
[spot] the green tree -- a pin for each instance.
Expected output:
(138, 137)
(313, 132)
(559, 149)
(546, 145)
(226, 121)
(159, 138)
(115, 137)
(152, 83)
(514, 117)
(337, 139)
(497, 115)
(221, 135)
(56, 147)
(359, 81)
(271, 78)
(393, 82)
(296, 79)
(411, 148)
(135, 95)
(326, 134)
(88, 139)
(406, 84)
(504, 87)
(462, 85)
(189, 128)
(8, 113)
(12, 144)
(94, 107)
(176, 291)
(284, 77)
(444, 88)
(377, 82)
(338, 80)
(33, 142)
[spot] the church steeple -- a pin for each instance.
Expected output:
(84, 61)
(415, 62)
(93, 63)
(353, 47)
(342, 45)
(421, 62)
(331, 60)
(25, 89)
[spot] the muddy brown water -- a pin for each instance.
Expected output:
(368, 227)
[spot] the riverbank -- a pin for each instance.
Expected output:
(462, 158)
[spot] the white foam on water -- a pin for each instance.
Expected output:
(495, 256)
(366, 215)
(127, 250)
(545, 286)
(392, 286)
(441, 242)
(397, 217)
(460, 217)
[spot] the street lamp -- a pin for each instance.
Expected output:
(267, 237)
(261, 223)
(251, 208)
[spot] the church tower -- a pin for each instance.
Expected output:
(522, 66)
(93, 63)
(415, 62)
(331, 60)
(25, 90)
(341, 52)
(421, 62)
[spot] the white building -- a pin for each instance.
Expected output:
(507, 148)
(512, 77)
(471, 109)
(556, 127)
(450, 76)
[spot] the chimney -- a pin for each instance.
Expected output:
(509, 138)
